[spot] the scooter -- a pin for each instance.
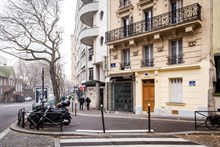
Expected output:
(42, 115)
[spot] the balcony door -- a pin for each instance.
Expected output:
(126, 58)
(176, 52)
(175, 5)
(148, 56)
(148, 19)
(125, 22)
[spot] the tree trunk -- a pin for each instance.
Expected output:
(55, 85)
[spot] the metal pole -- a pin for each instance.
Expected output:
(195, 120)
(149, 118)
(23, 114)
(72, 105)
(42, 86)
(103, 122)
(75, 109)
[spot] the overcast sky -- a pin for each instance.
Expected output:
(67, 23)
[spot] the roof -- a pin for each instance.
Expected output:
(6, 71)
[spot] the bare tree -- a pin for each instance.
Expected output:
(30, 72)
(29, 31)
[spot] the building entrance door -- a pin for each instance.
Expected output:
(148, 95)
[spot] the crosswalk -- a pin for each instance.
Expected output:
(127, 142)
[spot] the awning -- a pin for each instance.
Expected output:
(122, 76)
(93, 83)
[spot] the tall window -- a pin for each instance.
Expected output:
(148, 56)
(175, 5)
(125, 22)
(90, 73)
(148, 20)
(217, 66)
(126, 59)
(176, 52)
(176, 90)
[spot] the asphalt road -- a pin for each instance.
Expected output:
(9, 113)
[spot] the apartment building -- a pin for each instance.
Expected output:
(161, 54)
(89, 60)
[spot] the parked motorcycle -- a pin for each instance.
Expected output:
(42, 115)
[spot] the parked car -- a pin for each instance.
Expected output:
(28, 98)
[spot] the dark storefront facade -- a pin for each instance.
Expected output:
(122, 96)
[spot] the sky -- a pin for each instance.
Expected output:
(67, 22)
(67, 18)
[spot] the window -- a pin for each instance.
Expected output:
(217, 66)
(101, 40)
(148, 20)
(176, 52)
(124, 3)
(175, 5)
(101, 15)
(90, 54)
(176, 90)
(125, 59)
(148, 56)
(90, 73)
(125, 24)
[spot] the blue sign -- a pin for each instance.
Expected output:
(192, 83)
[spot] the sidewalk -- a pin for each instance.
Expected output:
(89, 123)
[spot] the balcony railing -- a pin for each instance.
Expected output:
(125, 65)
(123, 3)
(147, 63)
(182, 15)
(175, 59)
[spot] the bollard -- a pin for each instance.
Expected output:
(72, 106)
(23, 114)
(103, 122)
(75, 108)
(149, 117)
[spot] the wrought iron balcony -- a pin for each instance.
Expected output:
(182, 15)
(147, 63)
(175, 59)
(125, 65)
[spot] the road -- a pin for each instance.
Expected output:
(9, 113)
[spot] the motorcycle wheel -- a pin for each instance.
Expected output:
(66, 122)
(210, 125)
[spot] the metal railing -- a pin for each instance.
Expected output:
(125, 65)
(39, 121)
(182, 15)
(175, 59)
(147, 63)
(203, 117)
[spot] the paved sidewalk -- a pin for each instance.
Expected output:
(89, 123)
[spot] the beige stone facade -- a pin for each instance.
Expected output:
(161, 51)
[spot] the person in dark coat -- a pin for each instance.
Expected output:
(81, 101)
(88, 102)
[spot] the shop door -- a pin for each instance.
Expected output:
(148, 95)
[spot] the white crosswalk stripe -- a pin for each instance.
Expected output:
(127, 142)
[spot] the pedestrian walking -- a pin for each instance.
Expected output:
(81, 101)
(88, 102)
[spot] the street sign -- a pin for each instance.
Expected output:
(192, 83)
(39, 95)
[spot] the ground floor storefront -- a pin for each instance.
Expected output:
(173, 91)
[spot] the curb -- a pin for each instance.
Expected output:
(15, 127)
